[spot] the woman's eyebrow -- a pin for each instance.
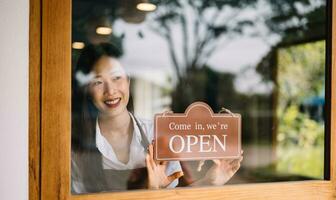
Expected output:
(111, 73)
(97, 76)
(116, 72)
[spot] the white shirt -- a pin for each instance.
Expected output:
(137, 151)
(136, 157)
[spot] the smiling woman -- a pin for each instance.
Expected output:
(106, 147)
(109, 88)
(110, 145)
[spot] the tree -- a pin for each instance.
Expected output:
(202, 24)
(297, 20)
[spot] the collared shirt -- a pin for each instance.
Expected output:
(136, 157)
(137, 151)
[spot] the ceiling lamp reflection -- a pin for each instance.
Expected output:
(78, 45)
(148, 7)
(104, 30)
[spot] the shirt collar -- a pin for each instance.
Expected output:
(104, 146)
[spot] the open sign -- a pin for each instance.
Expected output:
(197, 134)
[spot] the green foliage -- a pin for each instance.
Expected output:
(300, 138)
(297, 129)
(301, 73)
(306, 162)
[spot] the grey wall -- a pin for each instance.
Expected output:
(14, 20)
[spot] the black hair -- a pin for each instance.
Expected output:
(84, 116)
(83, 110)
(93, 52)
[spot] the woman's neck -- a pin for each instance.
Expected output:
(111, 126)
(118, 130)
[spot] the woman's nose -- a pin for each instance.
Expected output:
(109, 88)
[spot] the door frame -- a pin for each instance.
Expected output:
(50, 123)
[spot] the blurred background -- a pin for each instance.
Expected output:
(264, 59)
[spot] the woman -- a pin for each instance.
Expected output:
(110, 146)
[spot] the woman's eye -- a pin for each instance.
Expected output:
(95, 83)
(115, 78)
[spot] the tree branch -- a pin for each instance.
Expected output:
(172, 52)
(185, 39)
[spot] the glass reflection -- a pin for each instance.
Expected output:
(263, 59)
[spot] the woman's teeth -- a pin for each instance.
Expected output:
(113, 101)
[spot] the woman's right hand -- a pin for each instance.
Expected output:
(221, 172)
(157, 177)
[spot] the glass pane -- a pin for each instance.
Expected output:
(133, 59)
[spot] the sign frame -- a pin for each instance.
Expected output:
(186, 114)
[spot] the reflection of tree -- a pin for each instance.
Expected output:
(217, 89)
(204, 85)
(202, 25)
(299, 138)
(194, 29)
(297, 20)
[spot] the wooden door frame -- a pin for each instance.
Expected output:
(50, 123)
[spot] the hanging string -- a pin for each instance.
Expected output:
(224, 110)
(167, 112)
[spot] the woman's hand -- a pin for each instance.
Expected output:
(157, 177)
(221, 172)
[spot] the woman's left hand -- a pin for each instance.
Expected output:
(157, 177)
(221, 172)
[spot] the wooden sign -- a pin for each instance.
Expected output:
(197, 134)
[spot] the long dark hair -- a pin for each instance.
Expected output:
(84, 116)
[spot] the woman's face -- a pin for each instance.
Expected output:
(109, 87)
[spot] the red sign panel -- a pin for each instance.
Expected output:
(197, 134)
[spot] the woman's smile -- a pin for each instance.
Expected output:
(109, 88)
(112, 103)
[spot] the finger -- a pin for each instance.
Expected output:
(174, 176)
(235, 168)
(150, 150)
(149, 165)
(229, 161)
(234, 162)
(150, 156)
(235, 165)
(217, 162)
(200, 164)
(225, 162)
(237, 160)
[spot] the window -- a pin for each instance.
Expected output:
(55, 128)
